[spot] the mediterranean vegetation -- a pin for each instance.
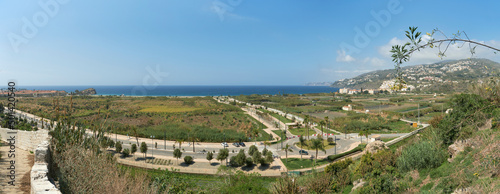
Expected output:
(198, 118)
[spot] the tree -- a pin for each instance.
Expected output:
(252, 149)
(257, 157)
(210, 156)
(321, 125)
(306, 123)
(269, 158)
(287, 149)
(402, 53)
(302, 141)
(192, 138)
(223, 154)
(326, 125)
(318, 144)
(133, 149)
(240, 159)
(118, 147)
(180, 141)
(264, 151)
(144, 148)
(266, 143)
(364, 132)
(134, 130)
(177, 154)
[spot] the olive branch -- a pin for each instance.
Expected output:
(402, 53)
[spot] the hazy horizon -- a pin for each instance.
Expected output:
(220, 42)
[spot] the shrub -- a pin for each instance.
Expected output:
(249, 161)
(240, 158)
(126, 152)
(134, 148)
(177, 153)
(257, 157)
(252, 149)
(188, 160)
(118, 146)
(469, 112)
(232, 161)
(144, 148)
(421, 155)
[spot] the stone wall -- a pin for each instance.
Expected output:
(26, 140)
(39, 173)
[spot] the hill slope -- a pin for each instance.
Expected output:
(445, 76)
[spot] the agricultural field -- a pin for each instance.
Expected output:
(174, 118)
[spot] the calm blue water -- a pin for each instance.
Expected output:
(190, 90)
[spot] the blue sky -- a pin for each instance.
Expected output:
(222, 42)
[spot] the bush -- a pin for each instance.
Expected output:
(421, 155)
(249, 161)
(240, 159)
(252, 149)
(232, 161)
(126, 152)
(134, 148)
(118, 146)
(469, 112)
(188, 160)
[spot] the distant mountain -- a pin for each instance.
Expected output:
(444, 76)
(319, 83)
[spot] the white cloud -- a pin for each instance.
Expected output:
(342, 57)
(430, 55)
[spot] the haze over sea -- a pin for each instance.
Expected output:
(190, 90)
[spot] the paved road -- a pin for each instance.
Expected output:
(344, 142)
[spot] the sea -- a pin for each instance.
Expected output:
(190, 90)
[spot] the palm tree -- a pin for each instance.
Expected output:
(326, 126)
(302, 141)
(364, 132)
(306, 123)
(318, 145)
(287, 149)
(321, 125)
(180, 141)
(266, 143)
(192, 138)
(277, 139)
(134, 130)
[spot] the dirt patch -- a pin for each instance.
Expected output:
(415, 174)
(25, 183)
(23, 162)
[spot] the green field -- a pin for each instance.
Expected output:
(297, 163)
(173, 118)
(301, 131)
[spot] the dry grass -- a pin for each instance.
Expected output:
(83, 171)
(166, 109)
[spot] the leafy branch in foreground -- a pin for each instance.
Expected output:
(402, 53)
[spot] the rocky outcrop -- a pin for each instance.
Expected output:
(468, 190)
(459, 146)
(373, 147)
(89, 91)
